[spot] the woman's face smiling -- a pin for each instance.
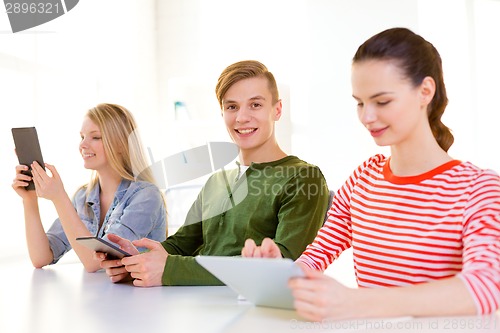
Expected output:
(91, 146)
(389, 106)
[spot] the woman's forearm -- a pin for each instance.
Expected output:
(446, 297)
(36, 239)
(74, 227)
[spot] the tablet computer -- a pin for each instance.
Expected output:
(262, 281)
(27, 149)
(100, 245)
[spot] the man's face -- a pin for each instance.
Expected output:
(249, 114)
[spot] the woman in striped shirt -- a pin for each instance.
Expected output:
(421, 224)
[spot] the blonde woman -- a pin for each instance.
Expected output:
(118, 199)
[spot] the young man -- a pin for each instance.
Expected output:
(269, 195)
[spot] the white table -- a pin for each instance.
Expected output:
(64, 298)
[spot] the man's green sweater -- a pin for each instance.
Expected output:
(285, 200)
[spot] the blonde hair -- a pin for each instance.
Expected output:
(122, 145)
(241, 70)
(121, 141)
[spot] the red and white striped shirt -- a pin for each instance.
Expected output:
(406, 230)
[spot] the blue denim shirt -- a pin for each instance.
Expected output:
(137, 211)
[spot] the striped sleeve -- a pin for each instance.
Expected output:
(481, 241)
(336, 234)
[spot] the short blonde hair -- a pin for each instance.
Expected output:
(244, 70)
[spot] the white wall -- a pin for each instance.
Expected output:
(467, 40)
(145, 54)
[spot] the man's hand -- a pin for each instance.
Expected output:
(147, 268)
(115, 269)
(268, 249)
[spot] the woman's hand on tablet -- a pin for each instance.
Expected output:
(47, 186)
(20, 183)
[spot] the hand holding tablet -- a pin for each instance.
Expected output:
(27, 150)
(100, 245)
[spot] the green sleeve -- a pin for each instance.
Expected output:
(302, 213)
(189, 237)
(181, 269)
(185, 271)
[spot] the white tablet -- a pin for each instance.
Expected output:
(262, 281)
